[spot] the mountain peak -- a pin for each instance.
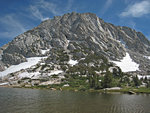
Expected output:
(78, 34)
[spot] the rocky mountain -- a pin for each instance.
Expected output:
(76, 38)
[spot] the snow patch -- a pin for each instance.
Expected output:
(55, 72)
(82, 59)
(36, 75)
(44, 51)
(127, 64)
(72, 62)
(14, 68)
(3, 84)
(42, 63)
(148, 57)
(143, 76)
(68, 41)
(28, 75)
(66, 85)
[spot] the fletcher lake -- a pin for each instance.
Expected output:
(17, 100)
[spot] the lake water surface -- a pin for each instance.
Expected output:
(13, 100)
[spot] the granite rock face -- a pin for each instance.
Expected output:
(2, 66)
(14, 58)
(78, 34)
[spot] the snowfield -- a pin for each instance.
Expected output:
(55, 72)
(44, 51)
(148, 57)
(68, 41)
(36, 75)
(29, 75)
(14, 68)
(143, 76)
(3, 84)
(127, 64)
(72, 62)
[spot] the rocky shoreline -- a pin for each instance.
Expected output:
(106, 90)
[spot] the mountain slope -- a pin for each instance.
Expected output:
(74, 36)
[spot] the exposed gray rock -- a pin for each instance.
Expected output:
(2, 67)
(13, 59)
(78, 34)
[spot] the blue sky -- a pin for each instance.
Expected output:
(18, 16)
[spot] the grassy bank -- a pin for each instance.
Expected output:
(68, 88)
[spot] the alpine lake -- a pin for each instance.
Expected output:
(22, 100)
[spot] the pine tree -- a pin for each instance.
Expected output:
(136, 81)
(107, 83)
(94, 81)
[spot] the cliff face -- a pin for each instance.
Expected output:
(78, 35)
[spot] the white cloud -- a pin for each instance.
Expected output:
(106, 6)
(137, 9)
(48, 6)
(12, 26)
(40, 7)
(36, 13)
